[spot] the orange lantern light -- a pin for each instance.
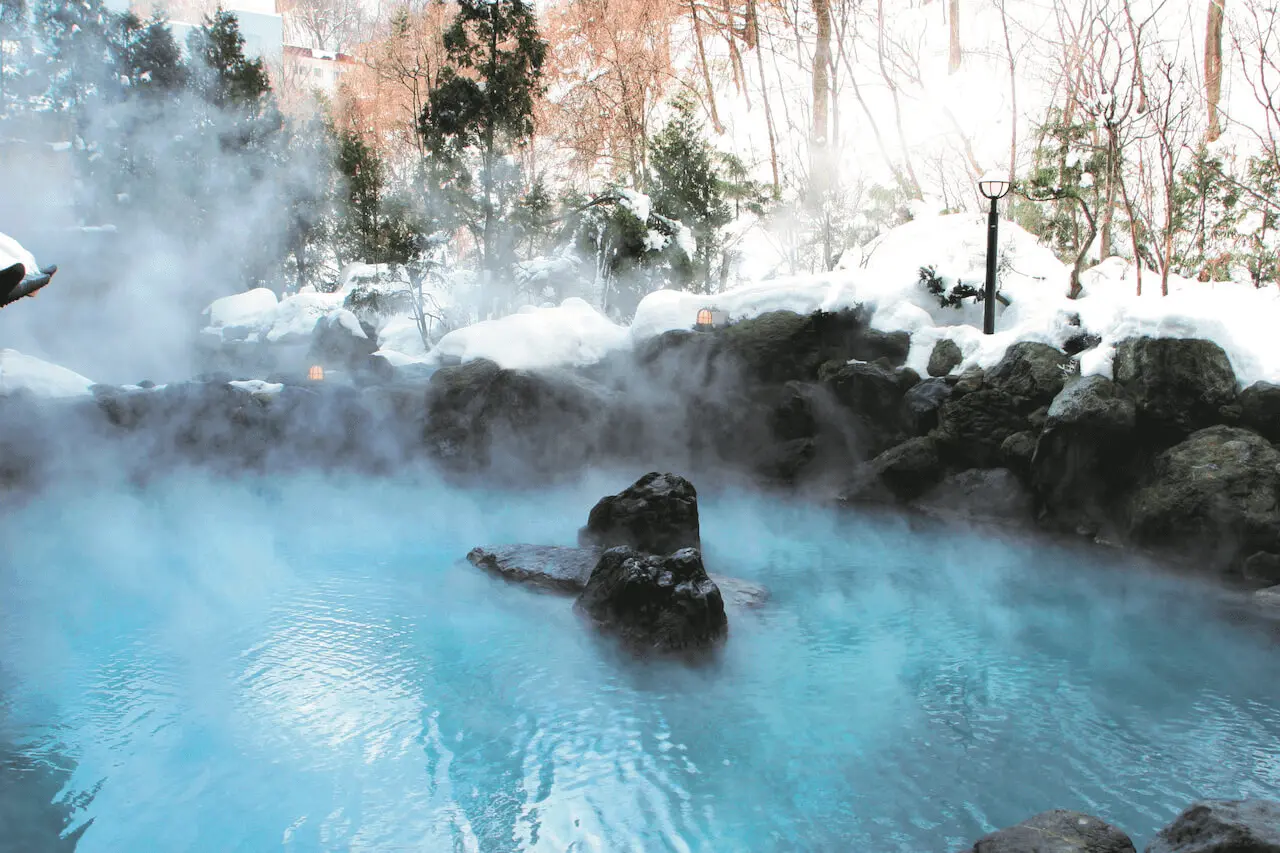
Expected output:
(316, 373)
(705, 319)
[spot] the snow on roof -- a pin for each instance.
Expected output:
(20, 372)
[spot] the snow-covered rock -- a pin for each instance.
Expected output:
(254, 308)
(572, 333)
(20, 372)
(296, 316)
(12, 252)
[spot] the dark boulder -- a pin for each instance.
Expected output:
(777, 346)
(1222, 826)
(968, 381)
(1084, 459)
(550, 421)
(1017, 451)
(1057, 831)
(655, 603)
(1178, 385)
(972, 428)
(874, 345)
(657, 514)
(1212, 498)
(1260, 409)
(921, 403)
(1031, 372)
(1262, 567)
(339, 340)
(794, 416)
(1080, 342)
(946, 357)
(873, 394)
(979, 494)
(900, 473)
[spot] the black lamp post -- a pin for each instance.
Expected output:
(994, 188)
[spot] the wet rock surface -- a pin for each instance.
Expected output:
(655, 603)
(657, 514)
(1057, 831)
(1222, 826)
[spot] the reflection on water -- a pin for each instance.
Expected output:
(309, 666)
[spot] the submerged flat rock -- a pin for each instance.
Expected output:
(568, 569)
(550, 566)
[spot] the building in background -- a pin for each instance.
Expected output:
(317, 70)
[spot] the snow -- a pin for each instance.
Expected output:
(399, 359)
(296, 316)
(348, 321)
(637, 202)
(255, 308)
(258, 386)
(11, 252)
(401, 335)
(884, 275)
(685, 240)
(572, 333)
(20, 372)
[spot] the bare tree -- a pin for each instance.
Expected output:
(331, 25)
(1213, 67)
(953, 63)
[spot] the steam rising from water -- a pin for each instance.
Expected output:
(306, 664)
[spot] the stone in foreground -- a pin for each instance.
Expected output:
(658, 514)
(1222, 826)
(1057, 831)
(662, 604)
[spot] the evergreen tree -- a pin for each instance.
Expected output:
(75, 36)
(375, 225)
(686, 184)
(148, 59)
(234, 88)
(482, 110)
(15, 57)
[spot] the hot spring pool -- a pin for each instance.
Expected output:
(307, 665)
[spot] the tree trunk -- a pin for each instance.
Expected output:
(706, 69)
(764, 95)
(954, 65)
(1013, 98)
(820, 133)
(1213, 66)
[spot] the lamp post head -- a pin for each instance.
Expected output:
(994, 186)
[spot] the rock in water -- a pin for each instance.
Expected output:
(657, 514)
(1058, 831)
(566, 569)
(1222, 826)
(651, 602)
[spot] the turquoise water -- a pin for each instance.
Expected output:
(306, 665)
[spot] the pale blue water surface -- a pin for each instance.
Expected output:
(307, 665)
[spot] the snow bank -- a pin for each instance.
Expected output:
(884, 276)
(255, 308)
(296, 316)
(401, 335)
(258, 386)
(20, 372)
(12, 252)
(572, 333)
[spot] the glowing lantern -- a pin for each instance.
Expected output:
(710, 318)
(316, 373)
